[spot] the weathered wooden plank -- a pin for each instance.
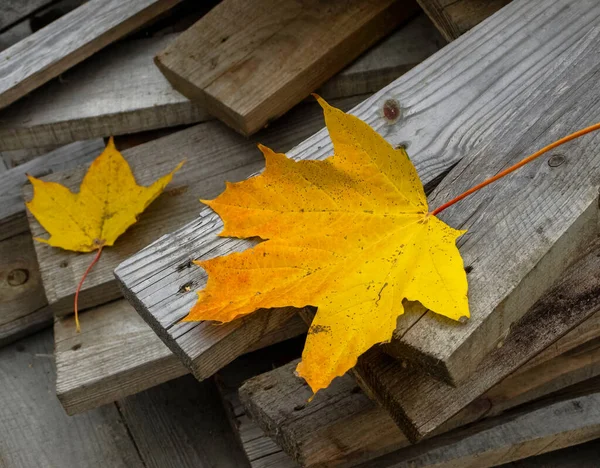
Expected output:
(14, 11)
(324, 430)
(23, 305)
(126, 93)
(12, 208)
(69, 40)
(117, 354)
(187, 419)
(454, 18)
(522, 235)
(505, 88)
(36, 431)
(261, 451)
(212, 153)
(226, 58)
(510, 437)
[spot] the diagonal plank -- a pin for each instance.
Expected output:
(505, 88)
(117, 354)
(455, 17)
(212, 153)
(125, 92)
(70, 40)
(323, 431)
(225, 59)
(523, 433)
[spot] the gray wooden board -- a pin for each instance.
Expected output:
(14, 11)
(212, 154)
(494, 91)
(117, 355)
(510, 437)
(69, 40)
(455, 17)
(322, 431)
(23, 305)
(12, 208)
(120, 90)
(181, 423)
(35, 430)
(117, 91)
(261, 451)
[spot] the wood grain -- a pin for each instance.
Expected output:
(181, 423)
(23, 305)
(261, 451)
(69, 40)
(226, 58)
(12, 208)
(213, 154)
(35, 430)
(487, 98)
(125, 92)
(14, 11)
(455, 17)
(324, 430)
(117, 355)
(521, 434)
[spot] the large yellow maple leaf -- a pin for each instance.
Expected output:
(108, 202)
(351, 235)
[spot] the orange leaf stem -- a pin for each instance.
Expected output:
(521, 163)
(94, 261)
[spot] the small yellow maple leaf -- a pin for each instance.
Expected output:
(108, 202)
(351, 235)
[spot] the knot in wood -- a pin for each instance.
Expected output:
(556, 160)
(391, 111)
(18, 277)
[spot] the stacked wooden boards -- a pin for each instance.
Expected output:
(126, 93)
(502, 106)
(278, 399)
(250, 62)
(69, 40)
(23, 304)
(110, 362)
(488, 92)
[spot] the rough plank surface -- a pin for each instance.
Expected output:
(23, 305)
(503, 80)
(117, 91)
(226, 58)
(455, 17)
(420, 404)
(12, 208)
(507, 438)
(69, 40)
(35, 430)
(125, 92)
(14, 11)
(524, 231)
(213, 154)
(261, 451)
(323, 431)
(117, 354)
(182, 424)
